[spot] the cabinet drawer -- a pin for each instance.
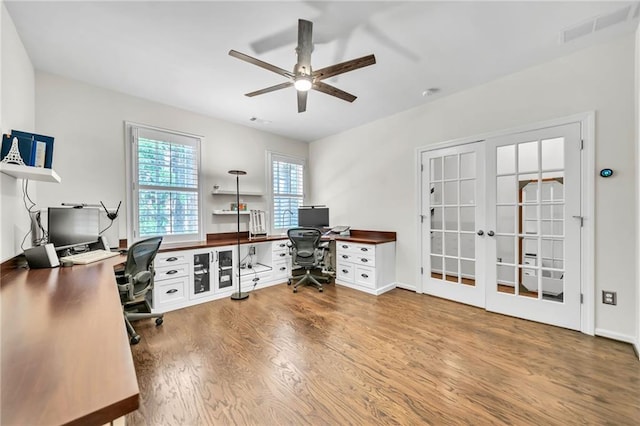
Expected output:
(249, 280)
(343, 246)
(281, 269)
(279, 245)
(169, 292)
(166, 259)
(171, 271)
(345, 272)
(367, 261)
(281, 254)
(345, 256)
(365, 276)
(366, 250)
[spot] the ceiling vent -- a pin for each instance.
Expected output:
(598, 23)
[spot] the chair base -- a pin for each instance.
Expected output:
(134, 338)
(308, 279)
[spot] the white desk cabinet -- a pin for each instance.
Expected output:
(366, 267)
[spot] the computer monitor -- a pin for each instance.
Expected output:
(314, 217)
(70, 227)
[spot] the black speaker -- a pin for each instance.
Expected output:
(42, 257)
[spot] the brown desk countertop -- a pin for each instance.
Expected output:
(65, 352)
(230, 238)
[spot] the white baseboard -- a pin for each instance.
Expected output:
(616, 336)
(406, 286)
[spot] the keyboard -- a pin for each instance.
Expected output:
(90, 256)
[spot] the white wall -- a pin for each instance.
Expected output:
(371, 184)
(89, 154)
(17, 88)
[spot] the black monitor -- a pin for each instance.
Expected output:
(313, 217)
(69, 227)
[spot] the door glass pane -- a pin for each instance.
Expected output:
(468, 246)
(436, 242)
(451, 167)
(436, 267)
(436, 168)
(528, 157)
(505, 250)
(451, 243)
(506, 278)
(553, 154)
(451, 192)
(528, 283)
(467, 218)
(506, 189)
(529, 222)
(467, 192)
(552, 287)
(451, 218)
(468, 272)
(451, 265)
(436, 194)
(506, 159)
(546, 212)
(506, 219)
(530, 188)
(436, 218)
(468, 165)
(529, 247)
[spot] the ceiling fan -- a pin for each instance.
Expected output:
(303, 78)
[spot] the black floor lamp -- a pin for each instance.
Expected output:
(239, 295)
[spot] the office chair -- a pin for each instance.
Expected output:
(135, 281)
(307, 252)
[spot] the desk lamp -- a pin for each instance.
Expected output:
(239, 295)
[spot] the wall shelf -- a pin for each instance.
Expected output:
(230, 212)
(242, 193)
(31, 173)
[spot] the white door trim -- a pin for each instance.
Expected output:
(587, 125)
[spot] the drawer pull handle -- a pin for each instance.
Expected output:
(283, 268)
(172, 259)
(255, 280)
(173, 290)
(345, 246)
(345, 271)
(365, 276)
(364, 249)
(171, 272)
(283, 254)
(364, 260)
(344, 256)
(282, 245)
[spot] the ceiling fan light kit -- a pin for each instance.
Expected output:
(303, 78)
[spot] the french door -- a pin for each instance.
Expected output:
(503, 231)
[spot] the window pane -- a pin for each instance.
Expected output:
(167, 212)
(167, 164)
(288, 191)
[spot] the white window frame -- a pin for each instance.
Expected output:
(271, 157)
(131, 174)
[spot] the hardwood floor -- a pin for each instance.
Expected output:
(345, 357)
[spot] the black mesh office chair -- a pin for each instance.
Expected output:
(307, 252)
(135, 281)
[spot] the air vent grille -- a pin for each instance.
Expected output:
(599, 23)
(612, 19)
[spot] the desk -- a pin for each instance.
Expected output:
(65, 352)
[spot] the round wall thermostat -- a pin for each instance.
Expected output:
(606, 172)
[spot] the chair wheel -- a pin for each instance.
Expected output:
(320, 290)
(135, 339)
(295, 290)
(159, 321)
(288, 282)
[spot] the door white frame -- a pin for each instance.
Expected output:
(587, 176)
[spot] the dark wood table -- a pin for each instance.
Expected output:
(65, 351)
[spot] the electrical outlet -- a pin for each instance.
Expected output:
(252, 250)
(609, 297)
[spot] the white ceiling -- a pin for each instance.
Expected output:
(176, 52)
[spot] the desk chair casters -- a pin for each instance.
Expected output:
(135, 281)
(308, 254)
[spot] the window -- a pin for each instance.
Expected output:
(287, 189)
(165, 194)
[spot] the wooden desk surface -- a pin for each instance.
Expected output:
(65, 350)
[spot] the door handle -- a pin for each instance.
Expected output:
(491, 233)
(480, 232)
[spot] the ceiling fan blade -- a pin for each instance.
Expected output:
(305, 44)
(260, 63)
(302, 100)
(333, 91)
(343, 67)
(270, 89)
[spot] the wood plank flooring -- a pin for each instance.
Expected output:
(345, 357)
